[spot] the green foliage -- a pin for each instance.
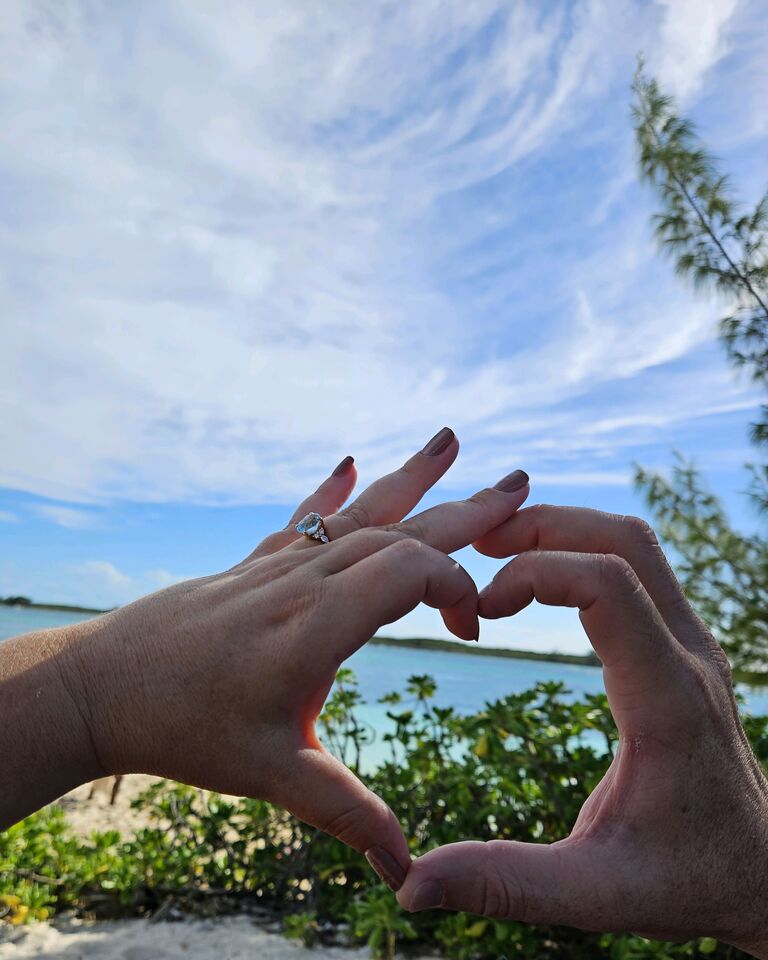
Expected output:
(724, 573)
(519, 769)
(302, 926)
(717, 244)
(701, 225)
(376, 918)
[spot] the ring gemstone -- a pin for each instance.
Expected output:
(312, 526)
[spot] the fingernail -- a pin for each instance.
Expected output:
(386, 867)
(440, 442)
(427, 896)
(513, 481)
(343, 467)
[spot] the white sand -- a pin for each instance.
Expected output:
(228, 938)
(95, 813)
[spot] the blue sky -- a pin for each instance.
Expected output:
(235, 248)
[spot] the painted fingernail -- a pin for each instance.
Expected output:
(440, 442)
(343, 467)
(513, 481)
(386, 867)
(427, 896)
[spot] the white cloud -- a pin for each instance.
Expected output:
(101, 583)
(693, 39)
(106, 571)
(163, 578)
(69, 517)
(7, 517)
(231, 238)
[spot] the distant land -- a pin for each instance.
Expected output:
(451, 646)
(419, 643)
(28, 604)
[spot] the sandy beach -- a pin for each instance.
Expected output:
(87, 813)
(228, 938)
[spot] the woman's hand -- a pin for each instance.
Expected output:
(673, 843)
(218, 682)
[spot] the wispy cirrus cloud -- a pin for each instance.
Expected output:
(69, 517)
(693, 40)
(226, 237)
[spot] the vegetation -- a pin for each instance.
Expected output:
(713, 240)
(721, 246)
(519, 769)
(62, 607)
(724, 573)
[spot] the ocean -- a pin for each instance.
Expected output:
(464, 682)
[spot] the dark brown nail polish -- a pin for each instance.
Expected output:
(513, 481)
(343, 467)
(386, 867)
(439, 443)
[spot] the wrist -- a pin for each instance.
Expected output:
(752, 938)
(95, 667)
(46, 749)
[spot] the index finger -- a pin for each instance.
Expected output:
(578, 530)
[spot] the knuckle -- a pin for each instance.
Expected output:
(707, 706)
(349, 825)
(408, 548)
(481, 498)
(500, 894)
(413, 528)
(617, 572)
(359, 514)
(540, 512)
(413, 469)
(719, 661)
(639, 530)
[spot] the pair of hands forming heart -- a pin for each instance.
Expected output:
(218, 682)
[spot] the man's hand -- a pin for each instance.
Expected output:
(673, 843)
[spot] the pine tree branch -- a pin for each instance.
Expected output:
(703, 221)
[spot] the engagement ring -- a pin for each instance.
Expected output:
(312, 528)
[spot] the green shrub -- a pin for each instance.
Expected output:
(520, 769)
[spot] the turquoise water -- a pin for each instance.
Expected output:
(15, 620)
(463, 682)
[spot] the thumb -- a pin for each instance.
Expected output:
(322, 791)
(503, 879)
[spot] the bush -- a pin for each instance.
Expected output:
(519, 770)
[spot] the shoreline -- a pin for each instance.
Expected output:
(507, 653)
(427, 643)
(57, 607)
